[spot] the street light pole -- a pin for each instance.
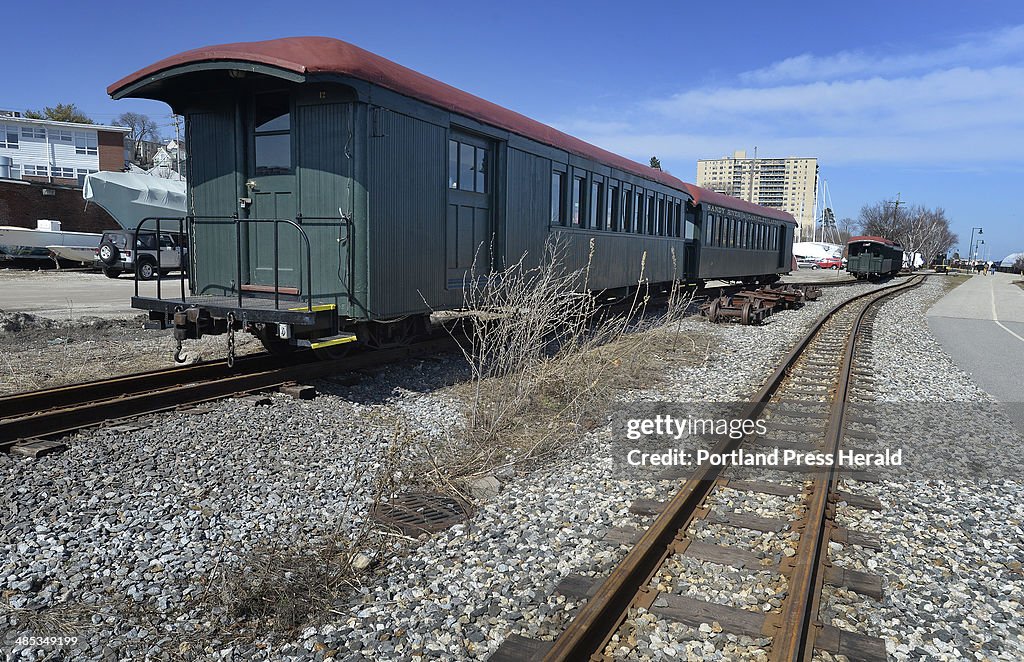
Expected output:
(970, 249)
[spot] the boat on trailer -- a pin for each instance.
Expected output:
(18, 243)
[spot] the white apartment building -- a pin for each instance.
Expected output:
(789, 184)
(57, 152)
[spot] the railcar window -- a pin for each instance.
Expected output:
(467, 166)
(466, 161)
(596, 205)
(638, 212)
(271, 112)
(273, 154)
(272, 134)
(557, 198)
(659, 221)
(481, 170)
(577, 200)
(453, 164)
(613, 208)
(627, 212)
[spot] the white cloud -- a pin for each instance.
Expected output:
(972, 49)
(861, 108)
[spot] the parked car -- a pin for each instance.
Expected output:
(807, 263)
(830, 263)
(122, 251)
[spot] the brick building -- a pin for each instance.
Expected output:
(43, 165)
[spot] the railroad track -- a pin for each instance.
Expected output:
(808, 406)
(29, 418)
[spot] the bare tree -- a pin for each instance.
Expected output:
(847, 228)
(916, 228)
(140, 128)
(1018, 264)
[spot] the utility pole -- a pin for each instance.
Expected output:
(895, 209)
(177, 142)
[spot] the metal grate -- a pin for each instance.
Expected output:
(421, 512)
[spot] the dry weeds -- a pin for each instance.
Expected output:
(546, 361)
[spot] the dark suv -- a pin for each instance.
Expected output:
(121, 250)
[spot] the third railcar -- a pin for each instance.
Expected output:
(873, 257)
(334, 194)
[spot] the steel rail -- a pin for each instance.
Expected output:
(31, 402)
(78, 415)
(798, 621)
(596, 622)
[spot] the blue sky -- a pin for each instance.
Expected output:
(924, 99)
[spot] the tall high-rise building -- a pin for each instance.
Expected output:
(789, 184)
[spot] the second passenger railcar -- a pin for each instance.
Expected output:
(873, 257)
(334, 194)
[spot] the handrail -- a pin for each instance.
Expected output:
(192, 220)
(159, 276)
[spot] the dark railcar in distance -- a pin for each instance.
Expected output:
(873, 257)
(333, 193)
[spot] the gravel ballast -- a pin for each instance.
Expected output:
(129, 528)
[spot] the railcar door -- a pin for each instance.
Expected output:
(271, 185)
(469, 230)
(785, 244)
(691, 233)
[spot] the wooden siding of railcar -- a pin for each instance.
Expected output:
(398, 242)
(325, 184)
(728, 262)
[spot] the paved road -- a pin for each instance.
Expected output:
(981, 325)
(63, 295)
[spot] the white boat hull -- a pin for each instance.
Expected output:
(31, 243)
(83, 254)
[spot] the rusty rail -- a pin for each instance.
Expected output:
(71, 408)
(597, 621)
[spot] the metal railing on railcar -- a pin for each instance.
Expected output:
(188, 224)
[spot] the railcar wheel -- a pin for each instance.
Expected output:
(273, 344)
(388, 335)
(745, 314)
(713, 311)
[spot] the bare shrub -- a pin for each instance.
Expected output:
(288, 583)
(545, 361)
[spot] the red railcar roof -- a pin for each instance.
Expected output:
(312, 55)
(877, 240)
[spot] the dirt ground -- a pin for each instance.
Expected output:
(38, 352)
